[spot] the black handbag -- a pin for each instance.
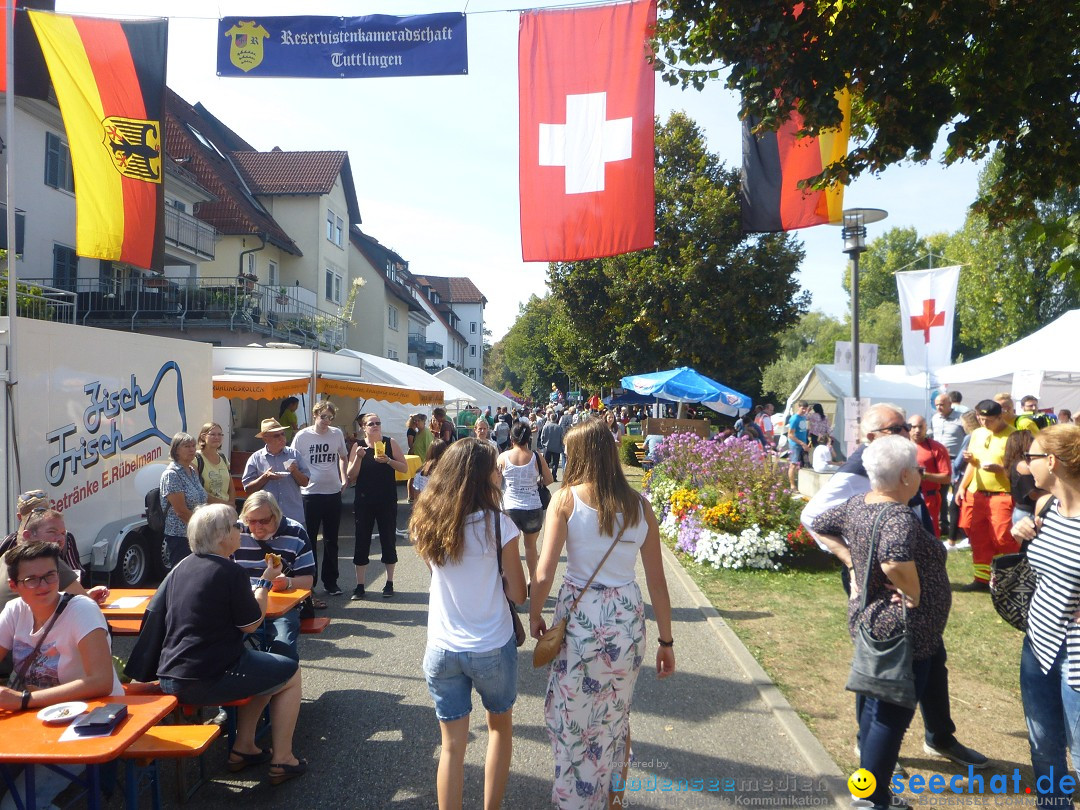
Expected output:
(882, 668)
(545, 493)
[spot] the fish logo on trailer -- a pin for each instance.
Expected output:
(246, 48)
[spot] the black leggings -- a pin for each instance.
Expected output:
(324, 511)
(367, 515)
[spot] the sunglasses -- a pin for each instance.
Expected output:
(1029, 456)
(254, 521)
(373, 424)
(30, 495)
(922, 471)
(894, 429)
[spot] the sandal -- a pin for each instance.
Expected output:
(319, 603)
(246, 760)
(283, 773)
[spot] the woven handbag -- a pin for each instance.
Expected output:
(1012, 584)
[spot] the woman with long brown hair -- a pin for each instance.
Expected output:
(457, 526)
(604, 525)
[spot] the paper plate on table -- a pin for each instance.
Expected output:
(61, 712)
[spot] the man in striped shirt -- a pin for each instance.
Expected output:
(267, 531)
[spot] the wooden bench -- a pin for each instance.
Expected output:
(314, 625)
(177, 742)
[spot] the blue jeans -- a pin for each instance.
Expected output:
(253, 673)
(1052, 711)
(882, 727)
(451, 677)
(280, 635)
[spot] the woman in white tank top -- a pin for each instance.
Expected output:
(520, 468)
(591, 682)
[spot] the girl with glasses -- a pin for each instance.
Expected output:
(73, 660)
(372, 465)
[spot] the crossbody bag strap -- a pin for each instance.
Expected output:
(611, 548)
(19, 679)
(872, 561)
(286, 568)
(498, 543)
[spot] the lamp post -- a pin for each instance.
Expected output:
(854, 235)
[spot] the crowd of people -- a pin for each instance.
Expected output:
(478, 510)
(887, 515)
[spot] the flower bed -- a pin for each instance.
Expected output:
(724, 503)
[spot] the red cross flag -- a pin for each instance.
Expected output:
(927, 315)
(586, 101)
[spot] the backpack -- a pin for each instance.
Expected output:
(155, 511)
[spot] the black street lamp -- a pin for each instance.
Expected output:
(854, 235)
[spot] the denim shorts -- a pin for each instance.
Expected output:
(529, 521)
(451, 677)
(798, 454)
(254, 673)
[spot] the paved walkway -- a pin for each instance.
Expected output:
(718, 730)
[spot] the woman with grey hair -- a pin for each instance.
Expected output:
(181, 494)
(907, 572)
(210, 604)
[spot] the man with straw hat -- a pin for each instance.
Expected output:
(279, 469)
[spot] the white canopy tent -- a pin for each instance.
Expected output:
(1051, 351)
(483, 395)
(824, 384)
(393, 415)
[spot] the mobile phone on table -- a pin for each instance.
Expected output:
(102, 719)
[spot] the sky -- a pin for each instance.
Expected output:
(435, 159)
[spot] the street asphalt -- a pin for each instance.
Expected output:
(717, 733)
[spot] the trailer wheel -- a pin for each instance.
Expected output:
(132, 563)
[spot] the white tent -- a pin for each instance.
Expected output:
(483, 395)
(1051, 351)
(824, 384)
(395, 416)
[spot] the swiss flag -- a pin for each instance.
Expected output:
(586, 104)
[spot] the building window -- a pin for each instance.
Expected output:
(250, 264)
(472, 351)
(58, 164)
(333, 285)
(391, 354)
(334, 227)
(272, 274)
(65, 267)
(472, 327)
(392, 318)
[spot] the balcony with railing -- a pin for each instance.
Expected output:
(205, 303)
(420, 345)
(182, 230)
(38, 301)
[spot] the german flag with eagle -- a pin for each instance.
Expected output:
(109, 77)
(774, 163)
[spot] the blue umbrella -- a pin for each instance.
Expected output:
(686, 385)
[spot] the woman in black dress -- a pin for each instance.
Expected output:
(372, 464)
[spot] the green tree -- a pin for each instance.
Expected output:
(896, 250)
(1010, 286)
(529, 358)
(983, 73)
(705, 296)
(802, 346)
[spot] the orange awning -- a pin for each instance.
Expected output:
(385, 393)
(249, 386)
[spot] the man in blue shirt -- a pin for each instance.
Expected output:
(266, 530)
(798, 435)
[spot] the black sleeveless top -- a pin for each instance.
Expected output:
(376, 482)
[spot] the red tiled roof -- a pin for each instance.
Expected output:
(234, 211)
(278, 172)
(456, 289)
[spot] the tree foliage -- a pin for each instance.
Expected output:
(802, 346)
(982, 72)
(529, 358)
(896, 250)
(705, 296)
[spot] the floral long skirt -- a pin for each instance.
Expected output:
(590, 689)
